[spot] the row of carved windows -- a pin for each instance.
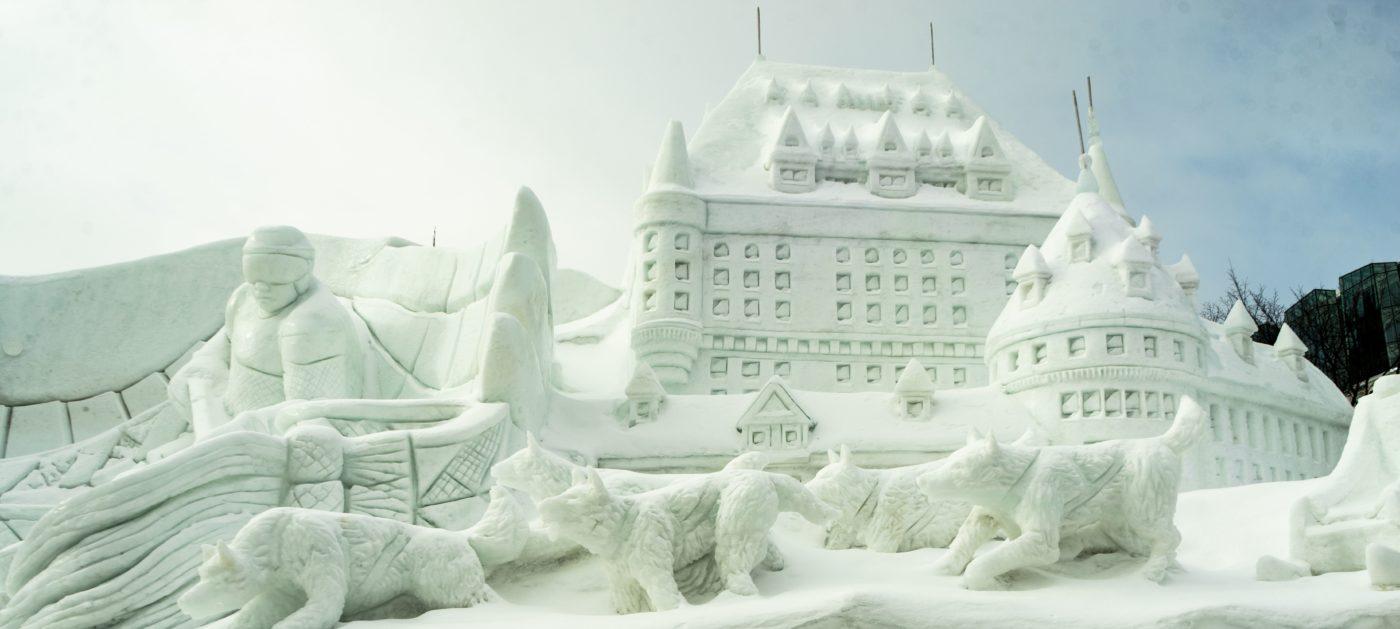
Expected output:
(751, 308)
(1114, 344)
(752, 279)
(751, 251)
(1236, 474)
(1129, 403)
(874, 374)
(873, 255)
(681, 242)
(1270, 433)
(875, 313)
(876, 283)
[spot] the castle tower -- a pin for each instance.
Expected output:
(667, 297)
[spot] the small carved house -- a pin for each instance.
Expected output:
(645, 396)
(774, 421)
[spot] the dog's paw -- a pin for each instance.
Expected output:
(981, 583)
(741, 584)
(949, 566)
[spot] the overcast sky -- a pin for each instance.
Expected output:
(1259, 132)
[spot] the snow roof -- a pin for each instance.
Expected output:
(914, 379)
(1239, 320)
(1288, 341)
(730, 149)
(1032, 264)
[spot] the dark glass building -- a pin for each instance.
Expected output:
(1352, 333)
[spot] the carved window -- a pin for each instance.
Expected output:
(872, 373)
(682, 301)
(959, 315)
(649, 271)
(959, 376)
(751, 251)
(649, 241)
(930, 285)
(955, 258)
(1169, 406)
(1012, 360)
(1154, 404)
(749, 369)
(782, 368)
(843, 311)
(721, 250)
(1076, 346)
(901, 314)
(783, 311)
(987, 151)
(872, 313)
(721, 277)
(1009, 261)
(930, 315)
(1132, 404)
(1089, 403)
(1115, 344)
(782, 251)
(751, 279)
(1038, 353)
(751, 310)
(843, 373)
(1149, 346)
(872, 255)
(899, 256)
(682, 270)
(719, 391)
(901, 283)
(872, 282)
(782, 280)
(926, 256)
(957, 286)
(1179, 351)
(719, 367)
(1112, 403)
(759, 437)
(1069, 404)
(682, 242)
(720, 308)
(1010, 287)
(843, 255)
(649, 300)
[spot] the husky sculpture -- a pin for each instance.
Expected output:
(1056, 502)
(307, 569)
(884, 510)
(717, 522)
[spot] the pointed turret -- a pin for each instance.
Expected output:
(891, 164)
(520, 291)
(843, 97)
(672, 167)
(920, 104)
(850, 146)
(510, 373)
(953, 107)
(645, 396)
(808, 96)
(775, 93)
(1087, 181)
(1146, 233)
(889, 98)
(1108, 188)
(944, 147)
(1080, 236)
(792, 161)
(826, 142)
(1240, 328)
(1031, 275)
(988, 172)
(1133, 262)
(1290, 349)
(913, 392)
(1184, 272)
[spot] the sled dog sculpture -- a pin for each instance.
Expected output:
(884, 510)
(306, 569)
(1056, 502)
(714, 525)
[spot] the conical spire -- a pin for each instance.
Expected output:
(827, 140)
(1184, 272)
(672, 168)
(1131, 251)
(790, 134)
(1087, 182)
(1077, 225)
(808, 96)
(914, 380)
(1239, 321)
(984, 141)
(1288, 342)
(1146, 233)
(1032, 265)
(529, 233)
(644, 383)
(919, 104)
(953, 107)
(1108, 188)
(843, 97)
(924, 147)
(943, 149)
(776, 93)
(850, 145)
(890, 139)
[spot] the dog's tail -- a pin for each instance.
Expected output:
(794, 496)
(748, 461)
(1187, 428)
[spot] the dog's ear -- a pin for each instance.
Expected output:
(596, 482)
(206, 551)
(992, 443)
(831, 458)
(973, 436)
(226, 557)
(845, 453)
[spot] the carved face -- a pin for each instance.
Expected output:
(534, 470)
(977, 470)
(582, 513)
(845, 486)
(273, 278)
(227, 581)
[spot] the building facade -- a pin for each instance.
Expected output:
(826, 226)
(1354, 331)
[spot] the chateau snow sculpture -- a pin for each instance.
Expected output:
(884, 510)
(705, 532)
(764, 247)
(306, 568)
(1056, 502)
(1358, 503)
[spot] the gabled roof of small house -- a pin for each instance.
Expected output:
(644, 383)
(774, 404)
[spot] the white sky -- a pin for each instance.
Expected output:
(1263, 133)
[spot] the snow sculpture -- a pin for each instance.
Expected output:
(285, 337)
(645, 396)
(913, 393)
(711, 530)
(1240, 328)
(774, 420)
(792, 162)
(1056, 502)
(1031, 275)
(1383, 566)
(305, 568)
(1359, 502)
(1290, 349)
(884, 510)
(891, 163)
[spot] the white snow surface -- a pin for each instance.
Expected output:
(1224, 532)
(729, 149)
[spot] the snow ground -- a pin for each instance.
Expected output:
(1224, 530)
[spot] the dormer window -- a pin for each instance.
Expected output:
(890, 147)
(790, 140)
(987, 151)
